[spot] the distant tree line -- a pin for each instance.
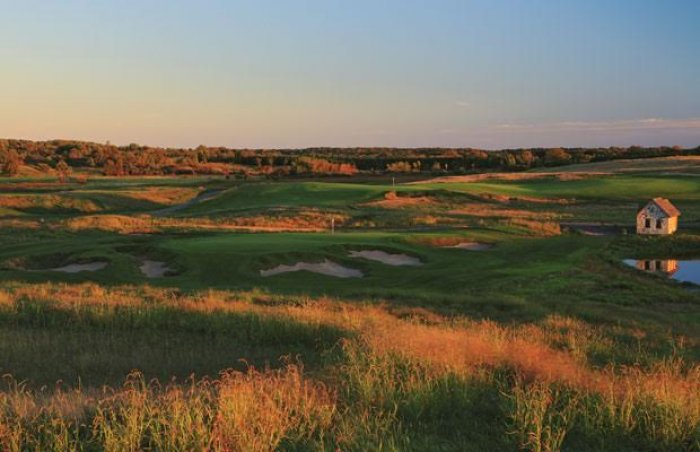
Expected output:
(61, 156)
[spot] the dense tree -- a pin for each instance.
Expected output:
(557, 156)
(135, 159)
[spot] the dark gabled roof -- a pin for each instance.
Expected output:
(668, 208)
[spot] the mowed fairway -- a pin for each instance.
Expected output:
(538, 329)
(614, 187)
(235, 260)
(302, 194)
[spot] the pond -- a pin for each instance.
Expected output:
(680, 270)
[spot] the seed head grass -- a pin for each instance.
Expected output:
(369, 377)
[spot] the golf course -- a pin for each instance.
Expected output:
(477, 312)
(350, 226)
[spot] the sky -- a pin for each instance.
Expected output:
(286, 74)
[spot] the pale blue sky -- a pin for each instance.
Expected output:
(480, 73)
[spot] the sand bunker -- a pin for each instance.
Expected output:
(154, 269)
(325, 268)
(471, 246)
(387, 258)
(76, 268)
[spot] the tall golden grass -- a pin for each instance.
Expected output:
(48, 202)
(497, 211)
(392, 364)
(309, 221)
(238, 411)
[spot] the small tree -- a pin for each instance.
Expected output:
(11, 162)
(63, 171)
(556, 156)
(399, 167)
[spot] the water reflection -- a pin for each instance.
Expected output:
(680, 270)
(668, 266)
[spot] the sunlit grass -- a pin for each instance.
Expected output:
(544, 341)
(381, 379)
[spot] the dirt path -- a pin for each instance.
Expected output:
(596, 228)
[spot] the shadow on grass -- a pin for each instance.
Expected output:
(92, 347)
(456, 414)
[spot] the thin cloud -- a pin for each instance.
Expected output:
(605, 126)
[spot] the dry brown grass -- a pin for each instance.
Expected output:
(19, 223)
(496, 211)
(47, 201)
(537, 227)
(468, 346)
(533, 199)
(294, 220)
(122, 224)
(304, 221)
(455, 345)
(393, 201)
(157, 195)
(35, 171)
(238, 411)
(505, 199)
(559, 175)
(257, 410)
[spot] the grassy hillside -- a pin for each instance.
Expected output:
(615, 187)
(678, 164)
(542, 339)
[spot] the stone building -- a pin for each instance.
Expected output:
(658, 217)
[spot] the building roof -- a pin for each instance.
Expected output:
(668, 208)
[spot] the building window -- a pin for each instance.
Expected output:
(647, 223)
(647, 265)
(659, 224)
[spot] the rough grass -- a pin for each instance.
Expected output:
(392, 381)
(614, 187)
(306, 220)
(541, 342)
(677, 164)
(47, 203)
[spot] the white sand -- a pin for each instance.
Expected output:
(471, 246)
(76, 268)
(387, 258)
(154, 269)
(325, 268)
